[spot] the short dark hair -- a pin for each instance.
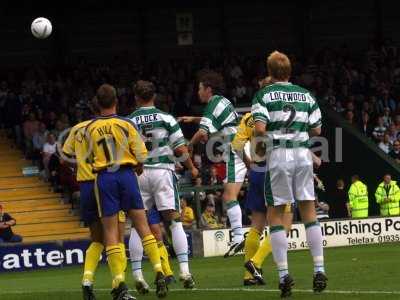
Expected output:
(144, 90)
(213, 80)
(106, 96)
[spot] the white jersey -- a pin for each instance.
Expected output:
(289, 112)
(219, 117)
(162, 135)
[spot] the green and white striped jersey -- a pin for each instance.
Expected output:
(289, 111)
(219, 117)
(161, 134)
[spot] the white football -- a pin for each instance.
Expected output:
(41, 28)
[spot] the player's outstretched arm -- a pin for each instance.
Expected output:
(189, 119)
(200, 136)
(315, 131)
(183, 155)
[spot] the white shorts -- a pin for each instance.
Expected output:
(289, 176)
(236, 169)
(159, 188)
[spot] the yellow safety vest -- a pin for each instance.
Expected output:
(358, 199)
(392, 192)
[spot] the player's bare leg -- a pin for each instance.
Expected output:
(234, 212)
(280, 247)
(287, 221)
(139, 221)
(180, 244)
(314, 240)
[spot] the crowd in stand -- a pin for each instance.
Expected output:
(37, 104)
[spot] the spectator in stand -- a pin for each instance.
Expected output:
(38, 141)
(365, 126)
(385, 145)
(339, 107)
(220, 170)
(387, 195)
(60, 127)
(49, 148)
(31, 126)
(392, 132)
(240, 92)
(198, 182)
(387, 101)
(208, 218)
(349, 116)
(54, 171)
(338, 202)
(373, 103)
(379, 130)
(51, 121)
(395, 153)
(6, 233)
(214, 178)
(187, 215)
(397, 123)
(387, 118)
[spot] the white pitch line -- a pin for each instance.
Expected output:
(215, 290)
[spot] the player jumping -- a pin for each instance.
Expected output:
(220, 120)
(287, 114)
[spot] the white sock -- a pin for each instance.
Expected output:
(279, 250)
(136, 254)
(234, 213)
(180, 244)
(314, 240)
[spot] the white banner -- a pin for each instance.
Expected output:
(335, 233)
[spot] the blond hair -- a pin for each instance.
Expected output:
(279, 66)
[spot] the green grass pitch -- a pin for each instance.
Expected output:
(361, 272)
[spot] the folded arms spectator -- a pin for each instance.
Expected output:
(6, 233)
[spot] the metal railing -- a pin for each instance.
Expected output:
(196, 199)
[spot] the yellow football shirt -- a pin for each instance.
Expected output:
(244, 132)
(76, 145)
(114, 141)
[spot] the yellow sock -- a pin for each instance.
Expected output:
(115, 263)
(92, 258)
(263, 251)
(164, 259)
(122, 245)
(151, 250)
(250, 247)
